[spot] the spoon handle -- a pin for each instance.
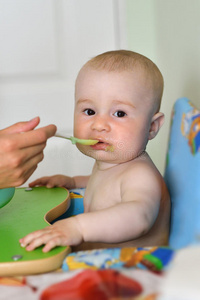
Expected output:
(76, 140)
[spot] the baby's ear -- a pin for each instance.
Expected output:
(156, 123)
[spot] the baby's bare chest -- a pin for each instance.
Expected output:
(103, 191)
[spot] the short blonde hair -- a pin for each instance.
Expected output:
(125, 60)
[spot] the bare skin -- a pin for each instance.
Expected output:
(126, 201)
(106, 209)
(21, 150)
(153, 217)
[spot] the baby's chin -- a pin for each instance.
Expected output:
(109, 154)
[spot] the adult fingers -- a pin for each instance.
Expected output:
(12, 160)
(21, 166)
(35, 137)
(21, 126)
(12, 142)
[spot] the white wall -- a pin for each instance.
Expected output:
(43, 44)
(64, 34)
(168, 32)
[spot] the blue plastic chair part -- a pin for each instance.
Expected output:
(6, 195)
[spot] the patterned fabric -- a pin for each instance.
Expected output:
(183, 173)
(154, 259)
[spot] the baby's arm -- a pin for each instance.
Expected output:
(128, 220)
(141, 193)
(119, 223)
(61, 181)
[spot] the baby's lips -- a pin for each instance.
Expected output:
(103, 145)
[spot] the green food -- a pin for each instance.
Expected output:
(110, 148)
(83, 142)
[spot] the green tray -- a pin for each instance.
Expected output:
(28, 211)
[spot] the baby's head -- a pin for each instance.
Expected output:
(129, 61)
(117, 99)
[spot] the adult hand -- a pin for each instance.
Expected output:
(21, 149)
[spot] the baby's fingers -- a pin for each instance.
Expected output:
(34, 239)
(53, 242)
(39, 182)
(45, 236)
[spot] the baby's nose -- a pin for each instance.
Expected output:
(100, 123)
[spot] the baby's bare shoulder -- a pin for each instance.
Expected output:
(141, 175)
(142, 166)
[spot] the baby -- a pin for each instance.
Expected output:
(126, 202)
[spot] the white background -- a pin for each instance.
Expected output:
(43, 44)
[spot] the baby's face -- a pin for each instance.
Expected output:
(114, 108)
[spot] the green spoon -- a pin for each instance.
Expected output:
(76, 140)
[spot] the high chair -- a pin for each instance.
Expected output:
(182, 174)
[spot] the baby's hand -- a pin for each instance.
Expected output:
(62, 233)
(54, 181)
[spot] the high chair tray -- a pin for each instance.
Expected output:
(30, 210)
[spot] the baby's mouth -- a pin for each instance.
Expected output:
(101, 145)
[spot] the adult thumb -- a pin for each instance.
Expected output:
(21, 126)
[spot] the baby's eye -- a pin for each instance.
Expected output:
(120, 114)
(89, 112)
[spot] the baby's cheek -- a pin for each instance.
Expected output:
(77, 128)
(84, 149)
